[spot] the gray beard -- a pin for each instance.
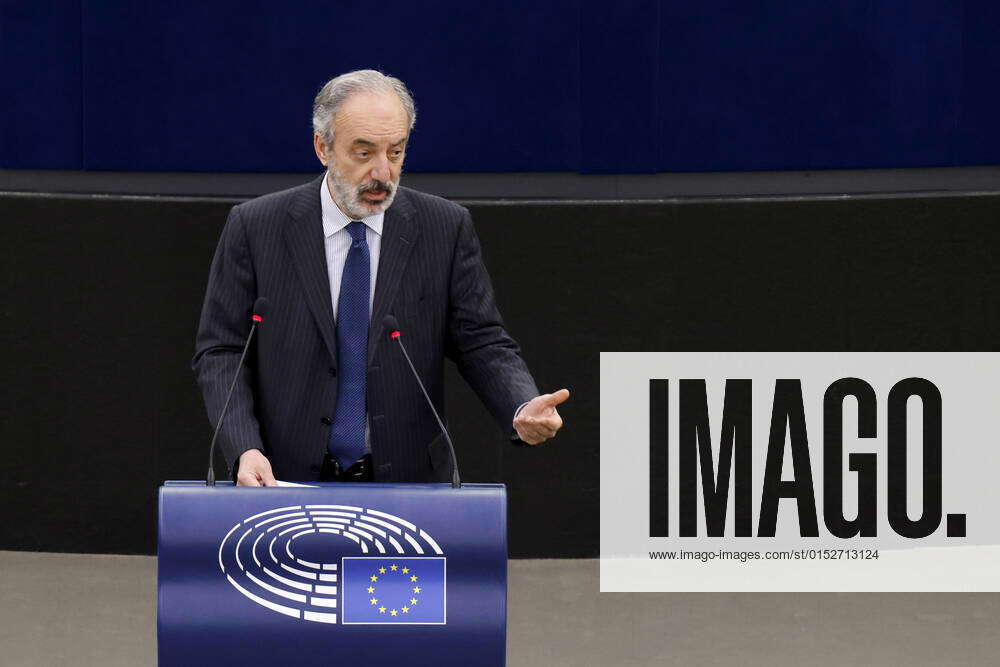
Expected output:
(349, 199)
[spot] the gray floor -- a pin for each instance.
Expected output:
(58, 609)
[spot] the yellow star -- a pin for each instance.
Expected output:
(395, 567)
(406, 570)
(413, 578)
(416, 589)
(374, 600)
(406, 610)
(393, 612)
(371, 589)
(413, 600)
(381, 570)
(381, 610)
(374, 578)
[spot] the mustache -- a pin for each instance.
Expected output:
(375, 187)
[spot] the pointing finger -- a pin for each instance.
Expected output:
(556, 398)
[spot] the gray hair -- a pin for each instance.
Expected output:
(337, 90)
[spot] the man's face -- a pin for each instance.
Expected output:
(365, 161)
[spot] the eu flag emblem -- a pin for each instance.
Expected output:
(407, 591)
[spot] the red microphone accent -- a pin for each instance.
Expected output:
(394, 335)
(258, 319)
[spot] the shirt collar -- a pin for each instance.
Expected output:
(335, 220)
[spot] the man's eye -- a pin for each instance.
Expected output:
(362, 154)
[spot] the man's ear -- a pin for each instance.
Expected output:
(322, 150)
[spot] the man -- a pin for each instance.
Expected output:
(325, 395)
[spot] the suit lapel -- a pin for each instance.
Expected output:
(399, 235)
(304, 237)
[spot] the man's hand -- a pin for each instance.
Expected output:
(538, 420)
(254, 470)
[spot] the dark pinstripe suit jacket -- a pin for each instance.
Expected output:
(430, 276)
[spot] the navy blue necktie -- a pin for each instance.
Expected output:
(347, 435)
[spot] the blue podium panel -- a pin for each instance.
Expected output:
(336, 574)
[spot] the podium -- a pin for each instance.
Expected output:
(332, 574)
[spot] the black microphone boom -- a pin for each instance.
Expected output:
(260, 308)
(390, 323)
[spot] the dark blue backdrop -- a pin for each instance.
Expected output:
(625, 86)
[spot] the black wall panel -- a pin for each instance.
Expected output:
(100, 299)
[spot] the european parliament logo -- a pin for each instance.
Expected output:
(337, 564)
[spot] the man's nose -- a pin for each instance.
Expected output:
(380, 170)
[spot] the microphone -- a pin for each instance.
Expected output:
(260, 308)
(390, 323)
